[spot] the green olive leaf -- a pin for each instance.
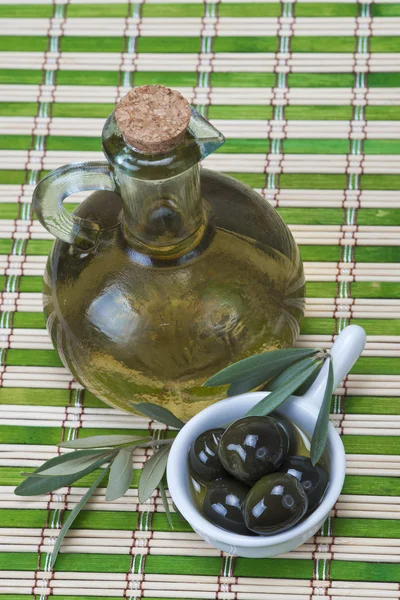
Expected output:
(74, 513)
(308, 383)
(321, 429)
(103, 441)
(152, 473)
(299, 373)
(245, 385)
(74, 465)
(121, 474)
(165, 503)
(261, 367)
(277, 382)
(158, 413)
(34, 486)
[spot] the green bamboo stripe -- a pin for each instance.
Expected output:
(320, 9)
(385, 10)
(380, 182)
(371, 405)
(310, 326)
(227, 9)
(316, 112)
(30, 284)
(33, 358)
(361, 289)
(375, 289)
(19, 76)
(99, 520)
(369, 444)
(373, 528)
(15, 43)
(360, 571)
(11, 177)
(25, 11)
(192, 44)
(382, 146)
(232, 145)
(385, 44)
(244, 567)
(45, 397)
(90, 520)
(5, 245)
(339, 80)
(377, 254)
(377, 365)
(242, 79)
(151, 78)
(315, 146)
(18, 109)
(29, 320)
(325, 44)
(318, 326)
(354, 444)
(13, 434)
(382, 254)
(371, 485)
(314, 181)
(15, 142)
(240, 112)
(83, 110)
(387, 114)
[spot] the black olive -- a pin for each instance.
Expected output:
(203, 456)
(290, 432)
(253, 447)
(274, 504)
(313, 479)
(223, 504)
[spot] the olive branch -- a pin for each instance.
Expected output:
(286, 372)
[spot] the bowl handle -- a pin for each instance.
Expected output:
(345, 351)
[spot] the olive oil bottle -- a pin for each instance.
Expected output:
(170, 272)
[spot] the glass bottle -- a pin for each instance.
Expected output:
(168, 274)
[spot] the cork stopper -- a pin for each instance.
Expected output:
(153, 118)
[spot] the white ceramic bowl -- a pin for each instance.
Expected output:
(301, 410)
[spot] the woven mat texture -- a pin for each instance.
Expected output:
(308, 95)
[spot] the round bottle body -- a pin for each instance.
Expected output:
(133, 326)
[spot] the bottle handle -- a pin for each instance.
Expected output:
(345, 351)
(61, 183)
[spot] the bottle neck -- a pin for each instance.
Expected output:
(162, 214)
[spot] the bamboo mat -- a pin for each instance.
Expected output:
(308, 94)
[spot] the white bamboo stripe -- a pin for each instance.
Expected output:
(254, 62)
(259, 588)
(196, 26)
(207, 95)
(359, 308)
(285, 198)
(240, 163)
(177, 544)
(232, 128)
